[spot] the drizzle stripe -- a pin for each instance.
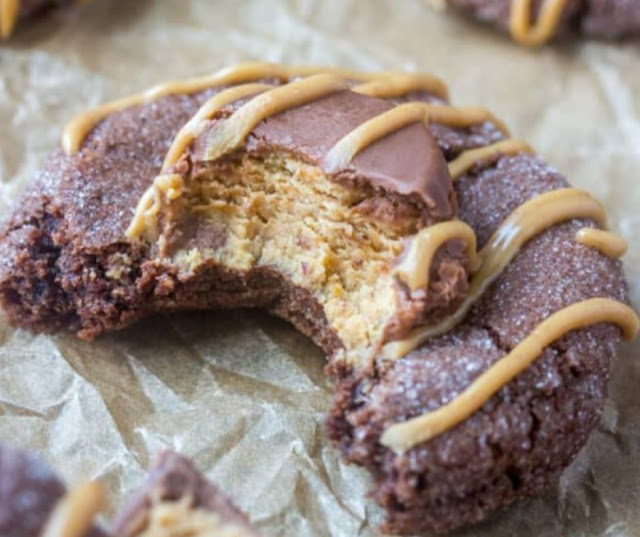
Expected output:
(464, 117)
(468, 159)
(228, 135)
(8, 16)
(414, 267)
(528, 220)
(195, 126)
(607, 243)
(400, 84)
(144, 222)
(74, 514)
(341, 154)
(397, 118)
(403, 436)
(548, 19)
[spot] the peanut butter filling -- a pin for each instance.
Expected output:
(287, 215)
(181, 519)
(543, 29)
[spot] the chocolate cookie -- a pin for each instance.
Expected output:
(34, 502)
(352, 205)
(534, 22)
(178, 500)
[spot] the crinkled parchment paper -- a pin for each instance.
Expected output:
(243, 393)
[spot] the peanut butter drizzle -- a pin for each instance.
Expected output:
(413, 269)
(544, 28)
(397, 118)
(74, 514)
(196, 124)
(527, 221)
(403, 436)
(144, 223)
(606, 242)
(468, 159)
(401, 84)
(9, 10)
(230, 134)
(79, 127)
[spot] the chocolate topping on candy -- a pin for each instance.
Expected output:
(408, 161)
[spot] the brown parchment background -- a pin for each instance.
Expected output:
(243, 393)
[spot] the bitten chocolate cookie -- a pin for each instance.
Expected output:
(469, 300)
(246, 190)
(534, 22)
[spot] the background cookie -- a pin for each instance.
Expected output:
(13, 12)
(536, 22)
